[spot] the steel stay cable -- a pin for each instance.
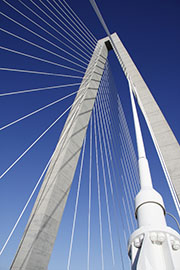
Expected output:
(129, 140)
(132, 172)
(40, 72)
(108, 121)
(127, 221)
(104, 24)
(38, 46)
(26, 203)
(123, 205)
(125, 157)
(82, 36)
(127, 161)
(128, 195)
(134, 158)
(104, 127)
(128, 137)
(98, 186)
(41, 196)
(38, 27)
(69, 47)
(132, 169)
(105, 188)
(48, 163)
(103, 109)
(90, 50)
(24, 208)
(168, 178)
(84, 83)
(36, 111)
(128, 184)
(74, 111)
(67, 28)
(39, 89)
(129, 145)
(76, 24)
(60, 27)
(122, 221)
(69, 260)
(64, 58)
(31, 145)
(76, 205)
(75, 107)
(90, 191)
(78, 20)
(42, 134)
(47, 182)
(123, 170)
(107, 117)
(39, 59)
(128, 150)
(63, 139)
(31, 193)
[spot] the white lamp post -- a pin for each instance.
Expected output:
(154, 245)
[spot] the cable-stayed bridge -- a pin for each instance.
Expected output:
(47, 51)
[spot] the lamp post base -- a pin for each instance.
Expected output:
(154, 249)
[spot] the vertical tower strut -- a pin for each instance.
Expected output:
(37, 242)
(165, 142)
(153, 246)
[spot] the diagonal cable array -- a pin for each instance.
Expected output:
(109, 199)
(46, 49)
(108, 212)
(117, 178)
(49, 31)
(38, 39)
(36, 111)
(23, 30)
(118, 161)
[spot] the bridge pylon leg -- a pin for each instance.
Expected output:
(154, 245)
(40, 233)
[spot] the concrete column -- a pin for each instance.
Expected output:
(38, 240)
(161, 133)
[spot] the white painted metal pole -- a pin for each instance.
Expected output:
(149, 204)
(144, 172)
(139, 139)
(149, 244)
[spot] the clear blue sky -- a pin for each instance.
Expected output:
(150, 33)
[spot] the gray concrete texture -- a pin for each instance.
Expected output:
(161, 133)
(38, 240)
